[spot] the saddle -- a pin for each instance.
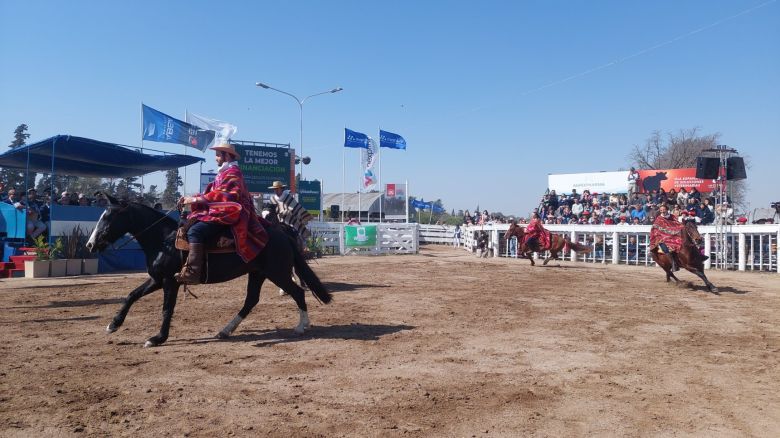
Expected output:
(222, 245)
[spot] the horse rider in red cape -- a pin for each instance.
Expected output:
(226, 203)
(666, 234)
(535, 233)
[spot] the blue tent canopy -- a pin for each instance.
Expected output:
(79, 156)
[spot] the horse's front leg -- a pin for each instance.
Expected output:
(171, 290)
(253, 286)
(711, 287)
(149, 286)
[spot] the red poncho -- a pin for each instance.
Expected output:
(535, 229)
(668, 231)
(229, 186)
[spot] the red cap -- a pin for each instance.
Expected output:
(742, 219)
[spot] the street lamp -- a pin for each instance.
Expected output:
(300, 105)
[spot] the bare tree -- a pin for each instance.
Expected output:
(678, 151)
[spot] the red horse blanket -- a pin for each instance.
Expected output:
(668, 231)
(229, 186)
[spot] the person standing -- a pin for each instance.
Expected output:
(207, 223)
(290, 212)
(633, 182)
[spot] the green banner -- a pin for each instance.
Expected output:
(360, 236)
(262, 166)
(310, 196)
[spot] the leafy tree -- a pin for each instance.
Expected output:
(151, 197)
(15, 178)
(128, 188)
(171, 193)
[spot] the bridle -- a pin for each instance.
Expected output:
(136, 235)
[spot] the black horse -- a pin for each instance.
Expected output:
(156, 233)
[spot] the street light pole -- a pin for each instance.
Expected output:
(300, 105)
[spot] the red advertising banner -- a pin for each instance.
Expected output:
(676, 179)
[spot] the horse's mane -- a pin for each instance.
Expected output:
(155, 212)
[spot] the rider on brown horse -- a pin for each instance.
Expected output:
(536, 236)
(666, 235)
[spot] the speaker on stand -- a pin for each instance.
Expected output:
(335, 211)
(707, 168)
(735, 168)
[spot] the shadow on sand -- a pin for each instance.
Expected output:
(334, 286)
(73, 303)
(268, 338)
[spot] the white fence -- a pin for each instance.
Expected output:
(748, 247)
(391, 238)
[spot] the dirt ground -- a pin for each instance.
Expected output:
(435, 344)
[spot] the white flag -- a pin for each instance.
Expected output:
(224, 131)
(367, 161)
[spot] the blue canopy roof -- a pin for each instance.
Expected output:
(79, 156)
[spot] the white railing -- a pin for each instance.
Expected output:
(439, 234)
(391, 238)
(748, 247)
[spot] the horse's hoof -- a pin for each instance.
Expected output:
(282, 292)
(148, 344)
(111, 328)
(714, 290)
(222, 335)
(299, 330)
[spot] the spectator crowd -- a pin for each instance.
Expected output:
(636, 209)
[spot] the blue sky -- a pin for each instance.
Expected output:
(490, 96)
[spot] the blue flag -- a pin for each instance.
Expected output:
(390, 140)
(353, 139)
(437, 209)
(163, 128)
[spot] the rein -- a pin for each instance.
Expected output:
(135, 235)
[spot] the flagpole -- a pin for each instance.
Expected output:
(406, 219)
(360, 183)
(381, 187)
(142, 144)
(343, 174)
(185, 154)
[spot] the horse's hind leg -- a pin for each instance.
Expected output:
(149, 286)
(253, 286)
(297, 294)
(711, 287)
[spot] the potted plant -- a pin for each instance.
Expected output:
(58, 264)
(73, 251)
(41, 266)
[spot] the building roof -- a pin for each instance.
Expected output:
(353, 201)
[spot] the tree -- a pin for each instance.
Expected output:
(680, 150)
(128, 188)
(676, 151)
(15, 178)
(171, 195)
(151, 196)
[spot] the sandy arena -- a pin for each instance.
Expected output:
(436, 344)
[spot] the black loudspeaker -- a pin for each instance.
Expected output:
(735, 168)
(335, 211)
(707, 168)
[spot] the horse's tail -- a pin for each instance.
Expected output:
(569, 245)
(308, 277)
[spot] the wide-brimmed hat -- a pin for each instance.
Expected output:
(278, 185)
(227, 147)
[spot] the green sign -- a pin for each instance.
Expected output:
(310, 196)
(360, 235)
(263, 165)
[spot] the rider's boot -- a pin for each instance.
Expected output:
(193, 267)
(673, 258)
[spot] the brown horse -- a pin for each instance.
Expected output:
(557, 243)
(688, 257)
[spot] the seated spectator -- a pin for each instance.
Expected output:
(64, 199)
(742, 220)
(577, 208)
(35, 226)
(695, 194)
(638, 213)
(83, 200)
(13, 199)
